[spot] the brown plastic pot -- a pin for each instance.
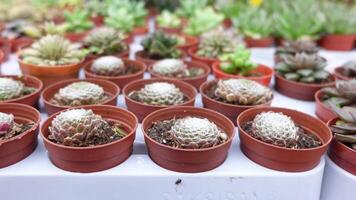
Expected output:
(339, 74)
(143, 57)
(227, 23)
(342, 155)
(51, 74)
(231, 111)
(262, 42)
(338, 42)
(121, 80)
(19, 147)
(265, 79)
(93, 158)
(97, 20)
(322, 111)
(281, 158)
(188, 160)
(18, 43)
(76, 37)
(5, 47)
(190, 41)
(141, 110)
(48, 93)
(91, 57)
(29, 81)
(209, 61)
(297, 90)
(194, 81)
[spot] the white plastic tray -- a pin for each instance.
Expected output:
(237, 178)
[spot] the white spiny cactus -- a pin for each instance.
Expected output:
(169, 67)
(108, 66)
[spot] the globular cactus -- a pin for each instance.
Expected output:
(6, 123)
(108, 66)
(275, 128)
(169, 67)
(10, 89)
(243, 92)
(193, 133)
(80, 127)
(159, 93)
(79, 93)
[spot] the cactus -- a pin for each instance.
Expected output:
(11, 89)
(217, 42)
(302, 67)
(159, 94)
(298, 46)
(161, 45)
(343, 94)
(169, 67)
(79, 93)
(105, 41)
(108, 66)
(345, 128)
(193, 133)
(349, 69)
(6, 123)
(243, 92)
(52, 50)
(81, 128)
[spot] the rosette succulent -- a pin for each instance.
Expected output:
(105, 41)
(280, 130)
(217, 42)
(349, 69)
(11, 89)
(302, 67)
(82, 128)
(203, 20)
(6, 123)
(9, 128)
(168, 19)
(78, 21)
(175, 68)
(161, 45)
(343, 94)
(195, 133)
(238, 62)
(159, 94)
(108, 66)
(79, 93)
(52, 50)
(298, 46)
(242, 92)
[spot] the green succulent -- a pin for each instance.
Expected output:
(203, 20)
(232, 9)
(238, 62)
(168, 19)
(338, 19)
(188, 8)
(49, 28)
(96, 7)
(161, 45)
(78, 21)
(136, 10)
(120, 19)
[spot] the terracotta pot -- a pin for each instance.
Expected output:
(93, 158)
(6, 49)
(129, 39)
(231, 111)
(140, 30)
(51, 74)
(76, 37)
(177, 30)
(30, 81)
(227, 23)
(322, 111)
(298, 90)
(342, 155)
(209, 61)
(19, 147)
(141, 110)
(339, 75)
(48, 93)
(18, 43)
(98, 20)
(188, 160)
(262, 42)
(91, 57)
(121, 80)
(338, 42)
(142, 56)
(190, 41)
(265, 79)
(279, 41)
(2, 58)
(281, 158)
(194, 81)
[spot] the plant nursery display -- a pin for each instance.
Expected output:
(346, 71)
(303, 72)
(232, 96)
(187, 139)
(106, 133)
(13, 89)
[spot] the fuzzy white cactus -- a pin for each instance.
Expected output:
(243, 92)
(10, 88)
(108, 66)
(169, 67)
(6, 122)
(79, 93)
(275, 128)
(160, 93)
(194, 132)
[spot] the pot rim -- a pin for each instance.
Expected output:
(311, 85)
(281, 109)
(203, 66)
(318, 101)
(192, 53)
(338, 74)
(36, 92)
(69, 81)
(138, 55)
(108, 107)
(187, 108)
(142, 68)
(203, 94)
(189, 40)
(2, 55)
(19, 106)
(216, 67)
(152, 80)
(328, 124)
